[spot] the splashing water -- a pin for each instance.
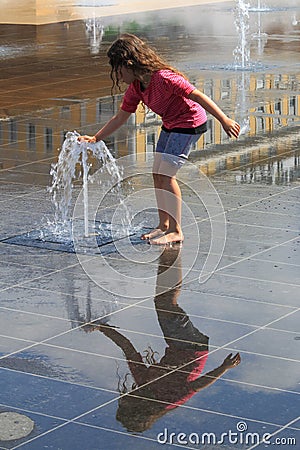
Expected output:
(242, 62)
(65, 172)
(242, 102)
(242, 51)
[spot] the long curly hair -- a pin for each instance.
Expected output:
(133, 53)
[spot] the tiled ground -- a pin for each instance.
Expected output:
(66, 378)
(113, 385)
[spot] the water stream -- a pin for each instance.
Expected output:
(242, 20)
(241, 56)
(65, 172)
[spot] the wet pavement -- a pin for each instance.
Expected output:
(107, 347)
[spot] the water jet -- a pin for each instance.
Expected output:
(63, 173)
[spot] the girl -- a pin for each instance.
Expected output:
(182, 109)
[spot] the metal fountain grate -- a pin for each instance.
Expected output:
(102, 242)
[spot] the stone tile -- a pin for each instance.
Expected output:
(26, 255)
(13, 273)
(272, 343)
(224, 308)
(248, 288)
(30, 326)
(200, 426)
(10, 346)
(289, 323)
(74, 309)
(43, 424)
(83, 368)
(273, 272)
(78, 436)
(51, 397)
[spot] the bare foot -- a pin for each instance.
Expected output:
(153, 234)
(167, 239)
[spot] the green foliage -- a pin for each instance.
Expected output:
(133, 27)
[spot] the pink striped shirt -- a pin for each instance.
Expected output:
(166, 95)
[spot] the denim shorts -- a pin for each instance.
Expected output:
(176, 147)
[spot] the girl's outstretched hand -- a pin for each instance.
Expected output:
(232, 361)
(231, 127)
(85, 138)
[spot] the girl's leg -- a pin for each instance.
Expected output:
(168, 196)
(163, 224)
(172, 149)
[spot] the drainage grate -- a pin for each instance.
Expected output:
(102, 243)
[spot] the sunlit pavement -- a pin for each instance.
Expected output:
(104, 350)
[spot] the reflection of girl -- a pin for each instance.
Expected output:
(165, 385)
(182, 109)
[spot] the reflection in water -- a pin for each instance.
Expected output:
(264, 160)
(266, 98)
(274, 107)
(281, 172)
(161, 385)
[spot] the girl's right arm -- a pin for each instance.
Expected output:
(110, 127)
(231, 127)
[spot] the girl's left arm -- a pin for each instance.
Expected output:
(231, 127)
(211, 377)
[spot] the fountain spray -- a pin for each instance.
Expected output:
(242, 51)
(63, 173)
(242, 62)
